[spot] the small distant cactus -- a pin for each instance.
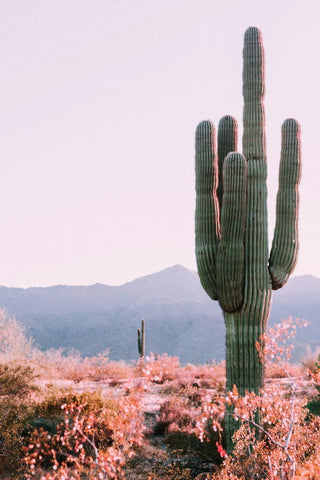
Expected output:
(231, 220)
(142, 341)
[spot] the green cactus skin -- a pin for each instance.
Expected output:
(231, 229)
(227, 142)
(230, 254)
(284, 251)
(207, 208)
(141, 340)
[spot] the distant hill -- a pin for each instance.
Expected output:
(181, 320)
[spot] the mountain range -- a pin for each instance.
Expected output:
(181, 320)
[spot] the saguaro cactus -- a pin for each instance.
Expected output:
(141, 340)
(231, 220)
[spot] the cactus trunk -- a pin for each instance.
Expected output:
(245, 326)
(243, 331)
(231, 222)
(142, 341)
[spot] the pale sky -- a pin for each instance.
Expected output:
(99, 104)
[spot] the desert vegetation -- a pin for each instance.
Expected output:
(67, 417)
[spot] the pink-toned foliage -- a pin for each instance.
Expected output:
(89, 442)
(160, 368)
(277, 438)
(56, 365)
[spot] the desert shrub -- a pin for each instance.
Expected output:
(114, 371)
(16, 381)
(148, 457)
(94, 439)
(275, 370)
(277, 439)
(16, 410)
(277, 446)
(177, 420)
(48, 413)
(15, 345)
(160, 368)
(310, 469)
(272, 456)
(14, 426)
(172, 472)
(311, 362)
(312, 366)
(17, 385)
(58, 365)
(313, 405)
(176, 414)
(209, 376)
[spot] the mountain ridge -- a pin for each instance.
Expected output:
(181, 319)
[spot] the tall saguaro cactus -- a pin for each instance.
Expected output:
(141, 341)
(231, 220)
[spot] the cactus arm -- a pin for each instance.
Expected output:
(227, 142)
(253, 140)
(284, 251)
(207, 221)
(230, 255)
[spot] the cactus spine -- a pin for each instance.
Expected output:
(141, 341)
(231, 220)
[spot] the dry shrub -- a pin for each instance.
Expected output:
(311, 362)
(95, 438)
(160, 368)
(176, 414)
(212, 376)
(172, 472)
(177, 422)
(310, 469)
(16, 410)
(278, 439)
(281, 444)
(268, 458)
(56, 365)
(17, 386)
(275, 370)
(15, 345)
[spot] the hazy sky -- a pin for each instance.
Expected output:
(99, 103)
